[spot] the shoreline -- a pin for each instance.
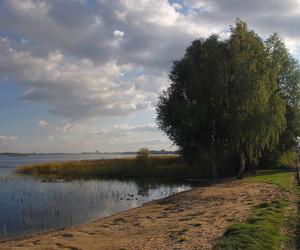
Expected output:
(30, 235)
(194, 217)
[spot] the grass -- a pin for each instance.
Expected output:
(281, 178)
(268, 220)
(262, 231)
(163, 167)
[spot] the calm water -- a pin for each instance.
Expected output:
(27, 204)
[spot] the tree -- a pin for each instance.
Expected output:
(223, 101)
(288, 82)
(256, 110)
(143, 154)
(190, 110)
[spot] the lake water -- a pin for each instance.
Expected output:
(28, 204)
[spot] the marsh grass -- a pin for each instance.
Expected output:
(163, 167)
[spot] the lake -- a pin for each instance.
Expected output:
(29, 204)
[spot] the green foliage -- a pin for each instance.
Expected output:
(186, 111)
(256, 111)
(288, 83)
(288, 67)
(143, 154)
(224, 105)
(287, 159)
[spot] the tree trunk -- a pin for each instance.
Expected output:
(241, 171)
(214, 170)
(214, 173)
(253, 169)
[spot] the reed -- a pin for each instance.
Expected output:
(164, 167)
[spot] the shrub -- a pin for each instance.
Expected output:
(143, 154)
(287, 159)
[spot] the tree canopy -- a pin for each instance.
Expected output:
(230, 101)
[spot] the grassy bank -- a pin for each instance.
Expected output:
(271, 225)
(163, 167)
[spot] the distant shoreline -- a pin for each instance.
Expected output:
(152, 152)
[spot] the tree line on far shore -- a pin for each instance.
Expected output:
(233, 104)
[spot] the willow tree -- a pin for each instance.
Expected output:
(223, 97)
(256, 108)
(288, 83)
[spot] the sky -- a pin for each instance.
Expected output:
(84, 75)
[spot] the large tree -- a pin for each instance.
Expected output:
(256, 110)
(288, 83)
(223, 101)
(191, 111)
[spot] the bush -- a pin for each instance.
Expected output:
(143, 154)
(287, 159)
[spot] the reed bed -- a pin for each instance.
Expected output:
(164, 167)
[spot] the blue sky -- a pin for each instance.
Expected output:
(84, 75)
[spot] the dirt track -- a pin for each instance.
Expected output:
(193, 219)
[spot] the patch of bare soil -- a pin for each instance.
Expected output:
(193, 219)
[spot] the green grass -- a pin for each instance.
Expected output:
(262, 231)
(264, 228)
(281, 178)
(163, 167)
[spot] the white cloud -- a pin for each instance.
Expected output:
(123, 130)
(51, 138)
(152, 128)
(74, 65)
(43, 124)
(75, 90)
(118, 34)
(8, 139)
(70, 127)
(177, 6)
(124, 137)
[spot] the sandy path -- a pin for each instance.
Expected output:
(193, 219)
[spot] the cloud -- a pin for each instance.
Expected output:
(118, 34)
(75, 90)
(70, 127)
(103, 58)
(7, 139)
(124, 137)
(74, 64)
(125, 131)
(51, 138)
(177, 6)
(264, 16)
(152, 128)
(157, 143)
(43, 124)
